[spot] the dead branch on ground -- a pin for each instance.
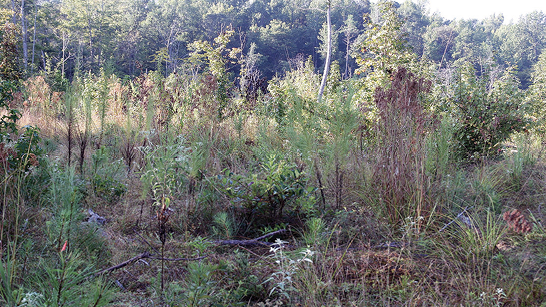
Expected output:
(145, 255)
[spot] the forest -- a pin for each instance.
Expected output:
(270, 153)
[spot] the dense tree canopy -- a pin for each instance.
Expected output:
(133, 36)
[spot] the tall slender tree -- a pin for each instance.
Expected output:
(24, 35)
(329, 51)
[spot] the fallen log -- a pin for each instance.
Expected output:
(145, 255)
(252, 242)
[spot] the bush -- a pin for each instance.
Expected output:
(489, 111)
(265, 195)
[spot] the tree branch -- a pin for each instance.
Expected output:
(252, 242)
(145, 255)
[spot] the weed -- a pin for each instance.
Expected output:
(283, 278)
(314, 234)
(223, 227)
(65, 282)
(400, 178)
(200, 288)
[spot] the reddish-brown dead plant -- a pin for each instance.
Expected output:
(401, 132)
(517, 221)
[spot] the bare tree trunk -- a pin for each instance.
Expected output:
(91, 38)
(34, 33)
(346, 73)
(14, 18)
(25, 35)
(63, 50)
(328, 54)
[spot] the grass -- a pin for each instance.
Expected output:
(355, 245)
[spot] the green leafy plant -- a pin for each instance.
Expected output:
(64, 195)
(489, 111)
(105, 176)
(10, 294)
(163, 178)
(279, 186)
(383, 48)
(295, 93)
(247, 284)
(200, 287)
(215, 57)
(8, 122)
(165, 171)
(223, 225)
(315, 233)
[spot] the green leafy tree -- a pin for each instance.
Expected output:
(350, 31)
(213, 59)
(536, 93)
(10, 73)
(416, 20)
(382, 50)
(522, 43)
(10, 68)
(439, 42)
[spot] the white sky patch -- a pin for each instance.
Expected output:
(480, 9)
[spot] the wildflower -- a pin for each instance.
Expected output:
(64, 246)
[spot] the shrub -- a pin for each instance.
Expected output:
(489, 111)
(266, 194)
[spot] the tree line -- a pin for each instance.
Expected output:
(133, 36)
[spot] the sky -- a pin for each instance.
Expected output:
(480, 9)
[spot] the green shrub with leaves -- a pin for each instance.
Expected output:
(536, 93)
(200, 284)
(295, 93)
(266, 194)
(15, 150)
(215, 57)
(10, 68)
(105, 178)
(489, 111)
(381, 50)
(7, 121)
(21, 153)
(166, 168)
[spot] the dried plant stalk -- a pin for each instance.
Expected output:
(401, 132)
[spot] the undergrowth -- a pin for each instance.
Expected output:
(395, 203)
